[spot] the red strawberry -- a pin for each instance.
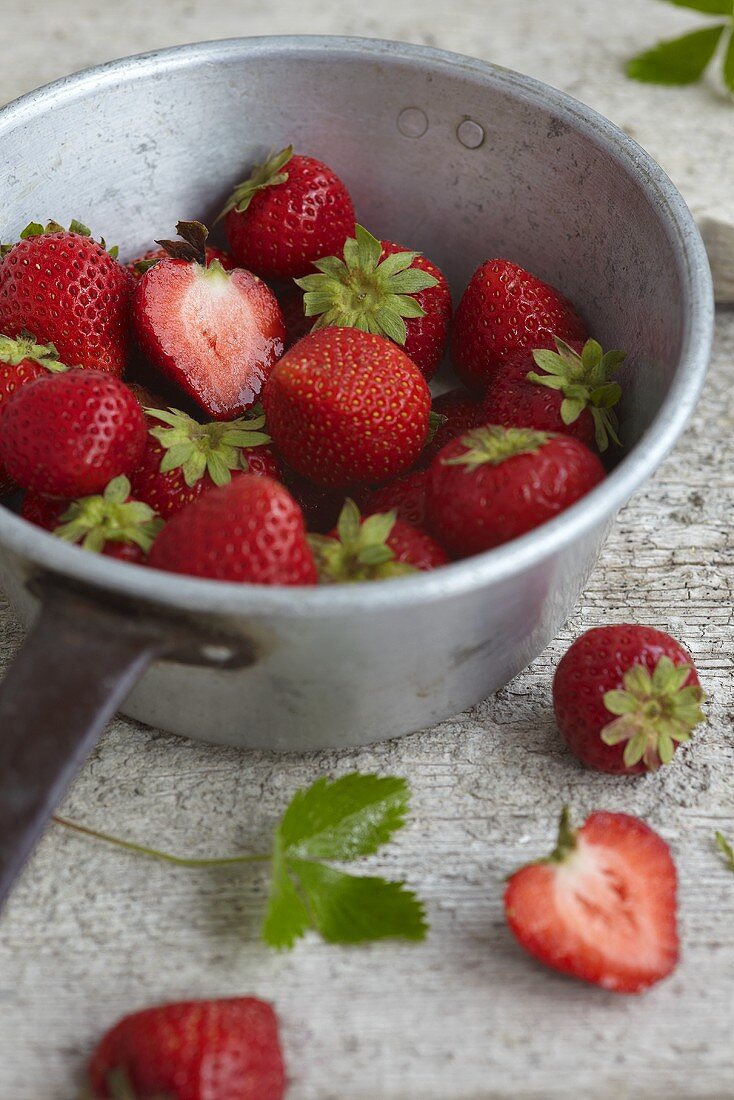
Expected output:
(406, 496)
(504, 310)
(69, 434)
(290, 300)
(380, 287)
(184, 459)
(111, 523)
(602, 906)
(346, 406)
(141, 264)
(371, 549)
(459, 412)
(216, 333)
(568, 390)
(291, 211)
(196, 1050)
(22, 361)
(68, 291)
(250, 531)
(495, 484)
(625, 697)
(320, 505)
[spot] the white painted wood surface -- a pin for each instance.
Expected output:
(92, 933)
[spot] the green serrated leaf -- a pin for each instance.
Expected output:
(286, 918)
(571, 409)
(348, 909)
(728, 64)
(709, 7)
(677, 61)
(344, 818)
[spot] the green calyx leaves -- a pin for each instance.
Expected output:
(585, 382)
(268, 174)
(360, 551)
(341, 820)
(684, 60)
(363, 292)
(215, 448)
(191, 247)
(35, 229)
(726, 850)
(493, 444)
(654, 711)
(110, 517)
(14, 350)
(566, 843)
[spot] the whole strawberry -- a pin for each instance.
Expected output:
(141, 264)
(215, 333)
(569, 390)
(320, 504)
(110, 523)
(224, 1049)
(290, 299)
(291, 211)
(346, 406)
(371, 549)
(625, 697)
(69, 434)
(459, 412)
(68, 291)
(602, 906)
(406, 496)
(380, 287)
(184, 459)
(505, 310)
(251, 531)
(494, 484)
(22, 361)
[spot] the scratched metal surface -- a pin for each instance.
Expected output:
(92, 933)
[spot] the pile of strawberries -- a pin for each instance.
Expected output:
(275, 425)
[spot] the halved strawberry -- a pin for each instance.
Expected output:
(141, 264)
(216, 333)
(602, 906)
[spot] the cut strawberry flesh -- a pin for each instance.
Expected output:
(607, 913)
(216, 334)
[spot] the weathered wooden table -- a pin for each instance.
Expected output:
(92, 933)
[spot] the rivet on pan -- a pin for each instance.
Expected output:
(412, 122)
(470, 133)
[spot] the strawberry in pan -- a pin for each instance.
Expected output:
(378, 286)
(67, 290)
(215, 333)
(291, 211)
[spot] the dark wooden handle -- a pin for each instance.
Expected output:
(73, 672)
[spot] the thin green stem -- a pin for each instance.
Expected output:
(166, 857)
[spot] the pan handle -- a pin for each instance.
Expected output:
(76, 667)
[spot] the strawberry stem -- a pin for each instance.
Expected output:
(154, 853)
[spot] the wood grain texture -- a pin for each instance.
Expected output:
(92, 933)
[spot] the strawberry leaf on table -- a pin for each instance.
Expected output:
(339, 819)
(684, 60)
(729, 64)
(726, 850)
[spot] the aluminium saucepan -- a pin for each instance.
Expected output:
(442, 153)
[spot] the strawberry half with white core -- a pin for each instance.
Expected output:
(216, 333)
(111, 523)
(183, 458)
(379, 287)
(372, 549)
(602, 906)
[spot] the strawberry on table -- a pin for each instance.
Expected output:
(215, 333)
(69, 434)
(110, 523)
(494, 484)
(250, 531)
(374, 548)
(184, 459)
(141, 264)
(406, 496)
(625, 697)
(346, 406)
(505, 310)
(225, 1049)
(378, 286)
(291, 211)
(602, 906)
(569, 390)
(21, 361)
(68, 291)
